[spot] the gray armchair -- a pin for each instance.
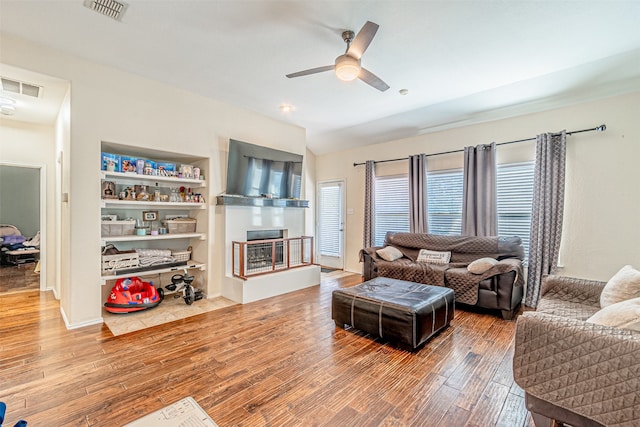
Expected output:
(573, 371)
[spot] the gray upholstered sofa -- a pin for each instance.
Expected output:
(573, 371)
(498, 288)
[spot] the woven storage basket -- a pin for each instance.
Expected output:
(181, 255)
(180, 225)
(117, 228)
(113, 263)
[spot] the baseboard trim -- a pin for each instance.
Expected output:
(81, 324)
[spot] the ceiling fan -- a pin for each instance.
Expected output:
(347, 66)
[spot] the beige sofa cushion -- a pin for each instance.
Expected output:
(481, 265)
(389, 253)
(624, 285)
(625, 315)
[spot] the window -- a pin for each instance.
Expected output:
(391, 206)
(514, 185)
(444, 201)
(515, 196)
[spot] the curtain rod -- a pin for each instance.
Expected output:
(600, 128)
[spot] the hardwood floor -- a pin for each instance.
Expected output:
(19, 278)
(276, 362)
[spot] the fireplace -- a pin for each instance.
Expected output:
(262, 255)
(285, 267)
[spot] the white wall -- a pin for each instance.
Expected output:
(33, 145)
(109, 105)
(602, 205)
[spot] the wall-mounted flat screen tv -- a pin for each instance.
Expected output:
(257, 171)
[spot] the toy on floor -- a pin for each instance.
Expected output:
(132, 294)
(3, 409)
(181, 283)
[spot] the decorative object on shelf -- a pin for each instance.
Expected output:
(166, 169)
(110, 162)
(186, 171)
(128, 194)
(150, 167)
(109, 190)
(142, 192)
(175, 196)
(128, 164)
(140, 166)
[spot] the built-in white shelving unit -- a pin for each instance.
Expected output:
(134, 209)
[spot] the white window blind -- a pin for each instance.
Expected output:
(330, 208)
(514, 183)
(391, 206)
(444, 202)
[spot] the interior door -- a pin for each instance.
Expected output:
(331, 202)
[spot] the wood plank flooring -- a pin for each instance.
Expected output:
(19, 277)
(276, 362)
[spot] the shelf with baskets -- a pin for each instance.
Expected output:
(153, 221)
(134, 238)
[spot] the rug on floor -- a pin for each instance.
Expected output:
(183, 413)
(169, 310)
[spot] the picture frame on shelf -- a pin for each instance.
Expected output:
(150, 215)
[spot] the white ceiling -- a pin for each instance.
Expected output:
(461, 61)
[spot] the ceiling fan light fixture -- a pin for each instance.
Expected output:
(347, 68)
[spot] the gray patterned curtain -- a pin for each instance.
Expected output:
(479, 200)
(547, 211)
(418, 193)
(369, 198)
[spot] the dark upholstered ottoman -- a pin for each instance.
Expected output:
(406, 312)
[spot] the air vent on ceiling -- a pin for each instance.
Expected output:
(111, 8)
(14, 86)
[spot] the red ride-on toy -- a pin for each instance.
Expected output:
(132, 294)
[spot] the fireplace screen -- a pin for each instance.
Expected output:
(267, 256)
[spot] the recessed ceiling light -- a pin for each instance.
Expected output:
(287, 108)
(403, 91)
(7, 106)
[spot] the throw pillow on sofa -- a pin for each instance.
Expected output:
(434, 257)
(389, 253)
(481, 265)
(625, 315)
(624, 285)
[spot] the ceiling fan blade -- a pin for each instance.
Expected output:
(311, 71)
(362, 40)
(371, 79)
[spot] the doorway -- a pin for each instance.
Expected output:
(21, 222)
(331, 221)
